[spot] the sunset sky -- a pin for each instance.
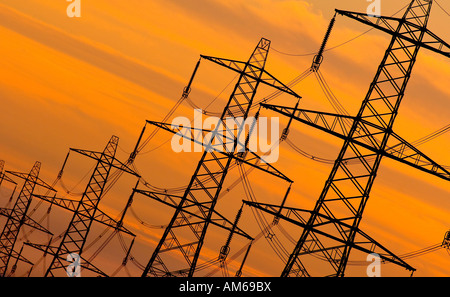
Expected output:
(75, 82)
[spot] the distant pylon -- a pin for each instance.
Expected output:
(17, 217)
(4, 177)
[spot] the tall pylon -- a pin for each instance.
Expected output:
(185, 236)
(85, 211)
(17, 217)
(333, 225)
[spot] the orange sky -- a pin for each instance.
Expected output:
(74, 82)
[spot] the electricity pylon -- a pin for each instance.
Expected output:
(17, 217)
(195, 210)
(85, 211)
(318, 58)
(331, 228)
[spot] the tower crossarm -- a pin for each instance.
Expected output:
(86, 212)
(257, 161)
(17, 216)
(253, 73)
(213, 168)
(335, 124)
(299, 217)
(106, 220)
(16, 255)
(39, 182)
(3, 176)
(5, 211)
(251, 158)
(67, 204)
(411, 34)
(28, 221)
(397, 148)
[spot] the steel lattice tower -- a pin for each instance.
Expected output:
(333, 225)
(199, 198)
(17, 217)
(85, 211)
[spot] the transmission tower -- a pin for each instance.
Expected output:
(195, 210)
(85, 211)
(17, 217)
(331, 228)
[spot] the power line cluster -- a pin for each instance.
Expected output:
(330, 230)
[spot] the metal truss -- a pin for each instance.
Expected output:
(174, 200)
